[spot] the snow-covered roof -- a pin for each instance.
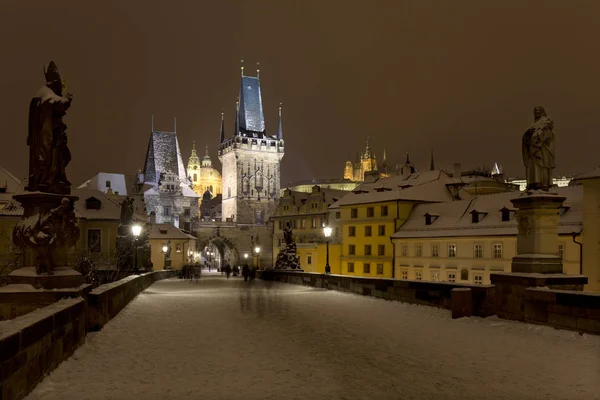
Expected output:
(593, 174)
(453, 219)
(167, 231)
(427, 186)
(163, 155)
(109, 210)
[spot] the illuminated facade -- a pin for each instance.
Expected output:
(366, 162)
(202, 174)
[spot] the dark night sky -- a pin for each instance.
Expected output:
(459, 76)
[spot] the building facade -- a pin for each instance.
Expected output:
(465, 241)
(203, 175)
(365, 162)
(307, 214)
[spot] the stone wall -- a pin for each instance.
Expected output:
(105, 302)
(34, 344)
(563, 309)
(25, 299)
(436, 294)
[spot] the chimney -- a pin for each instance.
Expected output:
(457, 172)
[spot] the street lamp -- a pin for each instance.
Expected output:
(257, 251)
(246, 255)
(136, 230)
(165, 248)
(327, 232)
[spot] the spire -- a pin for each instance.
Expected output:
(280, 126)
(152, 122)
(242, 66)
(175, 124)
(432, 166)
(206, 152)
(193, 146)
(222, 127)
(407, 158)
(237, 117)
(368, 147)
(258, 70)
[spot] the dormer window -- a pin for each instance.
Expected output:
(430, 218)
(93, 203)
(506, 214)
(477, 216)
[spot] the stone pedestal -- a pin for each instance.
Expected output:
(537, 239)
(62, 277)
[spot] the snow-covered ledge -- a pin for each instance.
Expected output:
(105, 302)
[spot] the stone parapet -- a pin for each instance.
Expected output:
(435, 294)
(34, 344)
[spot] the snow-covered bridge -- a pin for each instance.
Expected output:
(229, 339)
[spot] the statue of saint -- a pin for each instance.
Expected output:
(287, 234)
(47, 138)
(127, 211)
(538, 151)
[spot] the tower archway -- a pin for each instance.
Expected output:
(220, 250)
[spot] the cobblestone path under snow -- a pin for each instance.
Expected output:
(229, 339)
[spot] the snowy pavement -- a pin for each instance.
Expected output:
(229, 339)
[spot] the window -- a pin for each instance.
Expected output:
(94, 240)
(379, 269)
(381, 249)
(435, 250)
(366, 268)
(302, 223)
(384, 211)
(350, 267)
(464, 274)
(259, 216)
(497, 250)
(351, 249)
(452, 250)
(314, 223)
(294, 223)
(404, 274)
(187, 226)
(338, 215)
(351, 231)
(435, 276)
(354, 213)
(108, 184)
(370, 212)
(368, 230)
(404, 250)
(452, 277)
(419, 275)
(186, 211)
(167, 210)
(419, 250)
(505, 214)
(478, 250)
(367, 249)
(381, 230)
(478, 279)
(561, 251)
(309, 259)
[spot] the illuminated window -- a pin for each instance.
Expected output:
(497, 250)
(404, 274)
(419, 275)
(452, 250)
(452, 277)
(478, 250)
(478, 279)
(419, 250)
(435, 250)
(435, 276)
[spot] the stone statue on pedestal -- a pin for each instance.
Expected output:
(49, 226)
(538, 151)
(287, 258)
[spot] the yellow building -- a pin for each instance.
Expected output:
(202, 174)
(307, 214)
(371, 213)
(182, 247)
(590, 182)
(464, 241)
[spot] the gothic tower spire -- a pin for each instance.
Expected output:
(222, 127)
(258, 70)
(280, 125)
(237, 117)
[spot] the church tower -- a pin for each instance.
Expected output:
(250, 160)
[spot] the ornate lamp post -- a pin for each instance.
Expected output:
(136, 230)
(327, 232)
(165, 248)
(257, 251)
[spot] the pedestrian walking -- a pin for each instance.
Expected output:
(245, 272)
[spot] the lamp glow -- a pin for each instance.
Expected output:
(257, 249)
(165, 248)
(245, 255)
(327, 231)
(136, 230)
